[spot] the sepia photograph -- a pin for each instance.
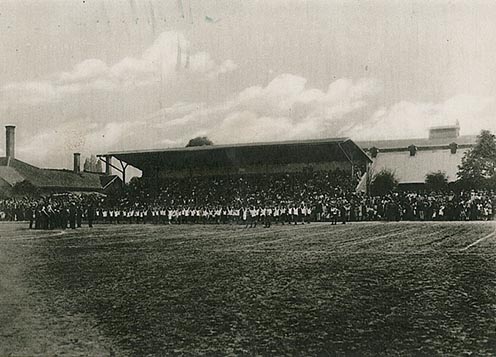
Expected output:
(247, 178)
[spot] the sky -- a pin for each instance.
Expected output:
(95, 76)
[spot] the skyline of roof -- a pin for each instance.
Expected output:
(419, 142)
(237, 145)
(244, 155)
(13, 171)
(462, 140)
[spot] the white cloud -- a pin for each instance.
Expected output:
(413, 119)
(83, 136)
(168, 58)
(87, 70)
(286, 108)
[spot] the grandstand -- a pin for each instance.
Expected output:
(247, 159)
(410, 159)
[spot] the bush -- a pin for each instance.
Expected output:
(199, 141)
(436, 181)
(383, 182)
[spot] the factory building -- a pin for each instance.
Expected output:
(17, 176)
(412, 159)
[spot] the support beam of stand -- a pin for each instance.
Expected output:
(107, 160)
(103, 158)
(124, 166)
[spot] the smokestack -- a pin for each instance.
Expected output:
(10, 141)
(77, 162)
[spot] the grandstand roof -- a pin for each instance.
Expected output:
(13, 171)
(281, 152)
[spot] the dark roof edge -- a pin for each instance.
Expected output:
(359, 149)
(424, 148)
(215, 147)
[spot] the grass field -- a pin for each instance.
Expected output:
(355, 289)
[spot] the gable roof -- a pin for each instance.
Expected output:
(463, 141)
(13, 171)
(10, 175)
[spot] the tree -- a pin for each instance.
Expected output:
(436, 181)
(199, 141)
(478, 167)
(383, 182)
(92, 164)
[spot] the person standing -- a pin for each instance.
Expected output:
(334, 214)
(72, 216)
(342, 212)
(30, 214)
(246, 217)
(268, 217)
(79, 216)
(90, 213)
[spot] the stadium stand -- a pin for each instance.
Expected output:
(253, 158)
(295, 182)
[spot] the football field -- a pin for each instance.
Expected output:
(356, 289)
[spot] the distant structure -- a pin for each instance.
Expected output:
(15, 173)
(413, 159)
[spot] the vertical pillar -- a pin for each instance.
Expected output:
(108, 162)
(10, 141)
(77, 162)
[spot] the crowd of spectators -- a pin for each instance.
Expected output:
(54, 211)
(250, 199)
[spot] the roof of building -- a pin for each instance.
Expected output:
(273, 153)
(413, 169)
(13, 171)
(464, 140)
(10, 175)
(239, 145)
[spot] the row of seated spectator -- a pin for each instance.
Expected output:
(245, 190)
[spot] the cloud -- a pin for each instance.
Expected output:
(83, 136)
(87, 70)
(413, 119)
(167, 59)
(286, 108)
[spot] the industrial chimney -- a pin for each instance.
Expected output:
(77, 162)
(10, 141)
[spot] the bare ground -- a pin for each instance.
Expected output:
(29, 324)
(358, 289)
